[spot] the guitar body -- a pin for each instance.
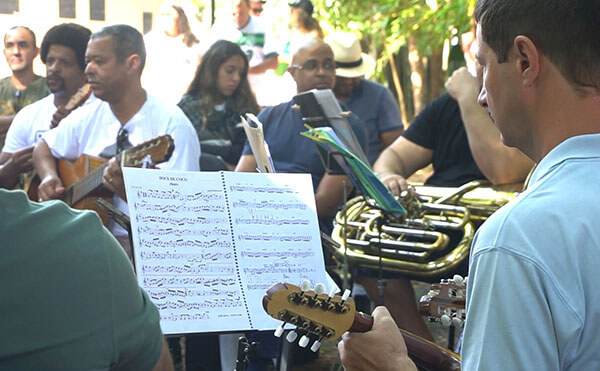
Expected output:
(73, 172)
(83, 178)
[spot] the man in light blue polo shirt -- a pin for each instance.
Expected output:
(532, 296)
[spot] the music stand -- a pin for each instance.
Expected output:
(386, 215)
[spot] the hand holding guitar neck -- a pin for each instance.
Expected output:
(378, 345)
(112, 178)
(382, 348)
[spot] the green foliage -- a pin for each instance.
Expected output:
(388, 24)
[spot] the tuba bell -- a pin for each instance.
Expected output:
(429, 242)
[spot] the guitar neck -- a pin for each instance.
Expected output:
(80, 189)
(425, 354)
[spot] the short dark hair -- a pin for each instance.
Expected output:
(70, 35)
(126, 41)
(565, 31)
(33, 40)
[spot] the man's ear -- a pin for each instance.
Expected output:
(292, 70)
(37, 52)
(527, 59)
(133, 63)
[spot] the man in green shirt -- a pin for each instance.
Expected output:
(23, 87)
(70, 299)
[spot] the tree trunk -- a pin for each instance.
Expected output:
(418, 75)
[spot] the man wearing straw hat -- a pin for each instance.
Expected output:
(373, 103)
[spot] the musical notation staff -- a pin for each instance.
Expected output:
(180, 221)
(182, 243)
(174, 195)
(189, 257)
(183, 292)
(271, 220)
(273, 190)
(181, 208)
(174, 231)
(265, 236)
(266, 204)
(196, 316)
(180, 281)
(211, 303)
(187, 268)
(278, 254)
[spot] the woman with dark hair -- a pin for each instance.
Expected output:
(301, 18)
(217, 96)
(172, 54)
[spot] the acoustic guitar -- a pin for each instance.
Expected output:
(83, 178)
(29, 181)
(321, 316)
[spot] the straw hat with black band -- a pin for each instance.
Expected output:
(349, 59)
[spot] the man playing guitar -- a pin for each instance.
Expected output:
(63, 52)
(123, 116)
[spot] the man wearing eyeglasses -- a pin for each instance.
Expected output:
(123, 116)
(313, 67)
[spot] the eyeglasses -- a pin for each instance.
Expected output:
(313, 65)
(257, 10)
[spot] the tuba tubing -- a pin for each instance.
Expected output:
(416, 245)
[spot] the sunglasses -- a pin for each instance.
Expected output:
(257, 10)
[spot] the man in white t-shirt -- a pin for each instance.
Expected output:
(254, 37)
(63, 52)
(116, 57)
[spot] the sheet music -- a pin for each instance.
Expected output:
(208, 245)
(260, 150)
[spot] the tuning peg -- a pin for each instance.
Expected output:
(303, 342)
(305, 285)
(279, 330)
(332, 292)
(445, 320)
(291, 336)
(316, 345)
(458, 280)
(319, 288)
(346, 295)
(457, 322)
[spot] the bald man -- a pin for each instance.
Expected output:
(312, 67)
(23, 87)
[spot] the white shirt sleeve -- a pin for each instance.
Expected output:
(17, 136)
(186, 155)
(63, 141)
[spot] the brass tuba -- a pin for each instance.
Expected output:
(418, 244)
